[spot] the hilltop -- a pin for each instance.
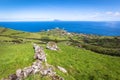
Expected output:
(85, 57)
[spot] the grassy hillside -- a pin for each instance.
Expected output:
(16, 52)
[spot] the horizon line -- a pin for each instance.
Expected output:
(63, 21)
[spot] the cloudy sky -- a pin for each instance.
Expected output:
(68, 10)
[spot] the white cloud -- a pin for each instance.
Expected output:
(95, 15)
(109, 13)
(113, 14)
(48, 16)
(117, 14)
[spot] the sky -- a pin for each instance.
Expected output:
(66, 10)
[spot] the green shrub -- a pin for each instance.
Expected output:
(98, 49)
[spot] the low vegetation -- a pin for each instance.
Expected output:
(16, 52)
(100, 44)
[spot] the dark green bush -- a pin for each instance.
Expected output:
(102, 50)
(105, 42)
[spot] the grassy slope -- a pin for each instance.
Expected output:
(81, 64)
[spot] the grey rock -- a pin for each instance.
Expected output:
(13, 77)
(39, 53)
(19, 74)
(52, 46)
(27, 71)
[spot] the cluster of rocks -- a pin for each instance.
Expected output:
(39, 53)
(40, 66)
(52, 46)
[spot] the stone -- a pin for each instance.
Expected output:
(47, 71)
(52, 46)
(41, 57)
(19, 74)
(37, 66)
(13, 77)
(27, 71)
(62, 69)
(39, 53)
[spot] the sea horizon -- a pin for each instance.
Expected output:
(105, 28)
(59, 21)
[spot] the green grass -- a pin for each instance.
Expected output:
(13, 57)
(81, 64)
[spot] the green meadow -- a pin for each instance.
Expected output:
(16, 51)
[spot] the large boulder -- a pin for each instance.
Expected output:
(52, 46)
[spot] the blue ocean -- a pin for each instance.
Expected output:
(111, 28)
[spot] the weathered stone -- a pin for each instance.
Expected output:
(52, 46)
(48, 71)
(39, 53)
(37, 66)
(13, 77)
(19, 74)
(27, 71)
(62, 69)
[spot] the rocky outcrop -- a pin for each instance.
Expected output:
(40, 66)
(52, 46)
